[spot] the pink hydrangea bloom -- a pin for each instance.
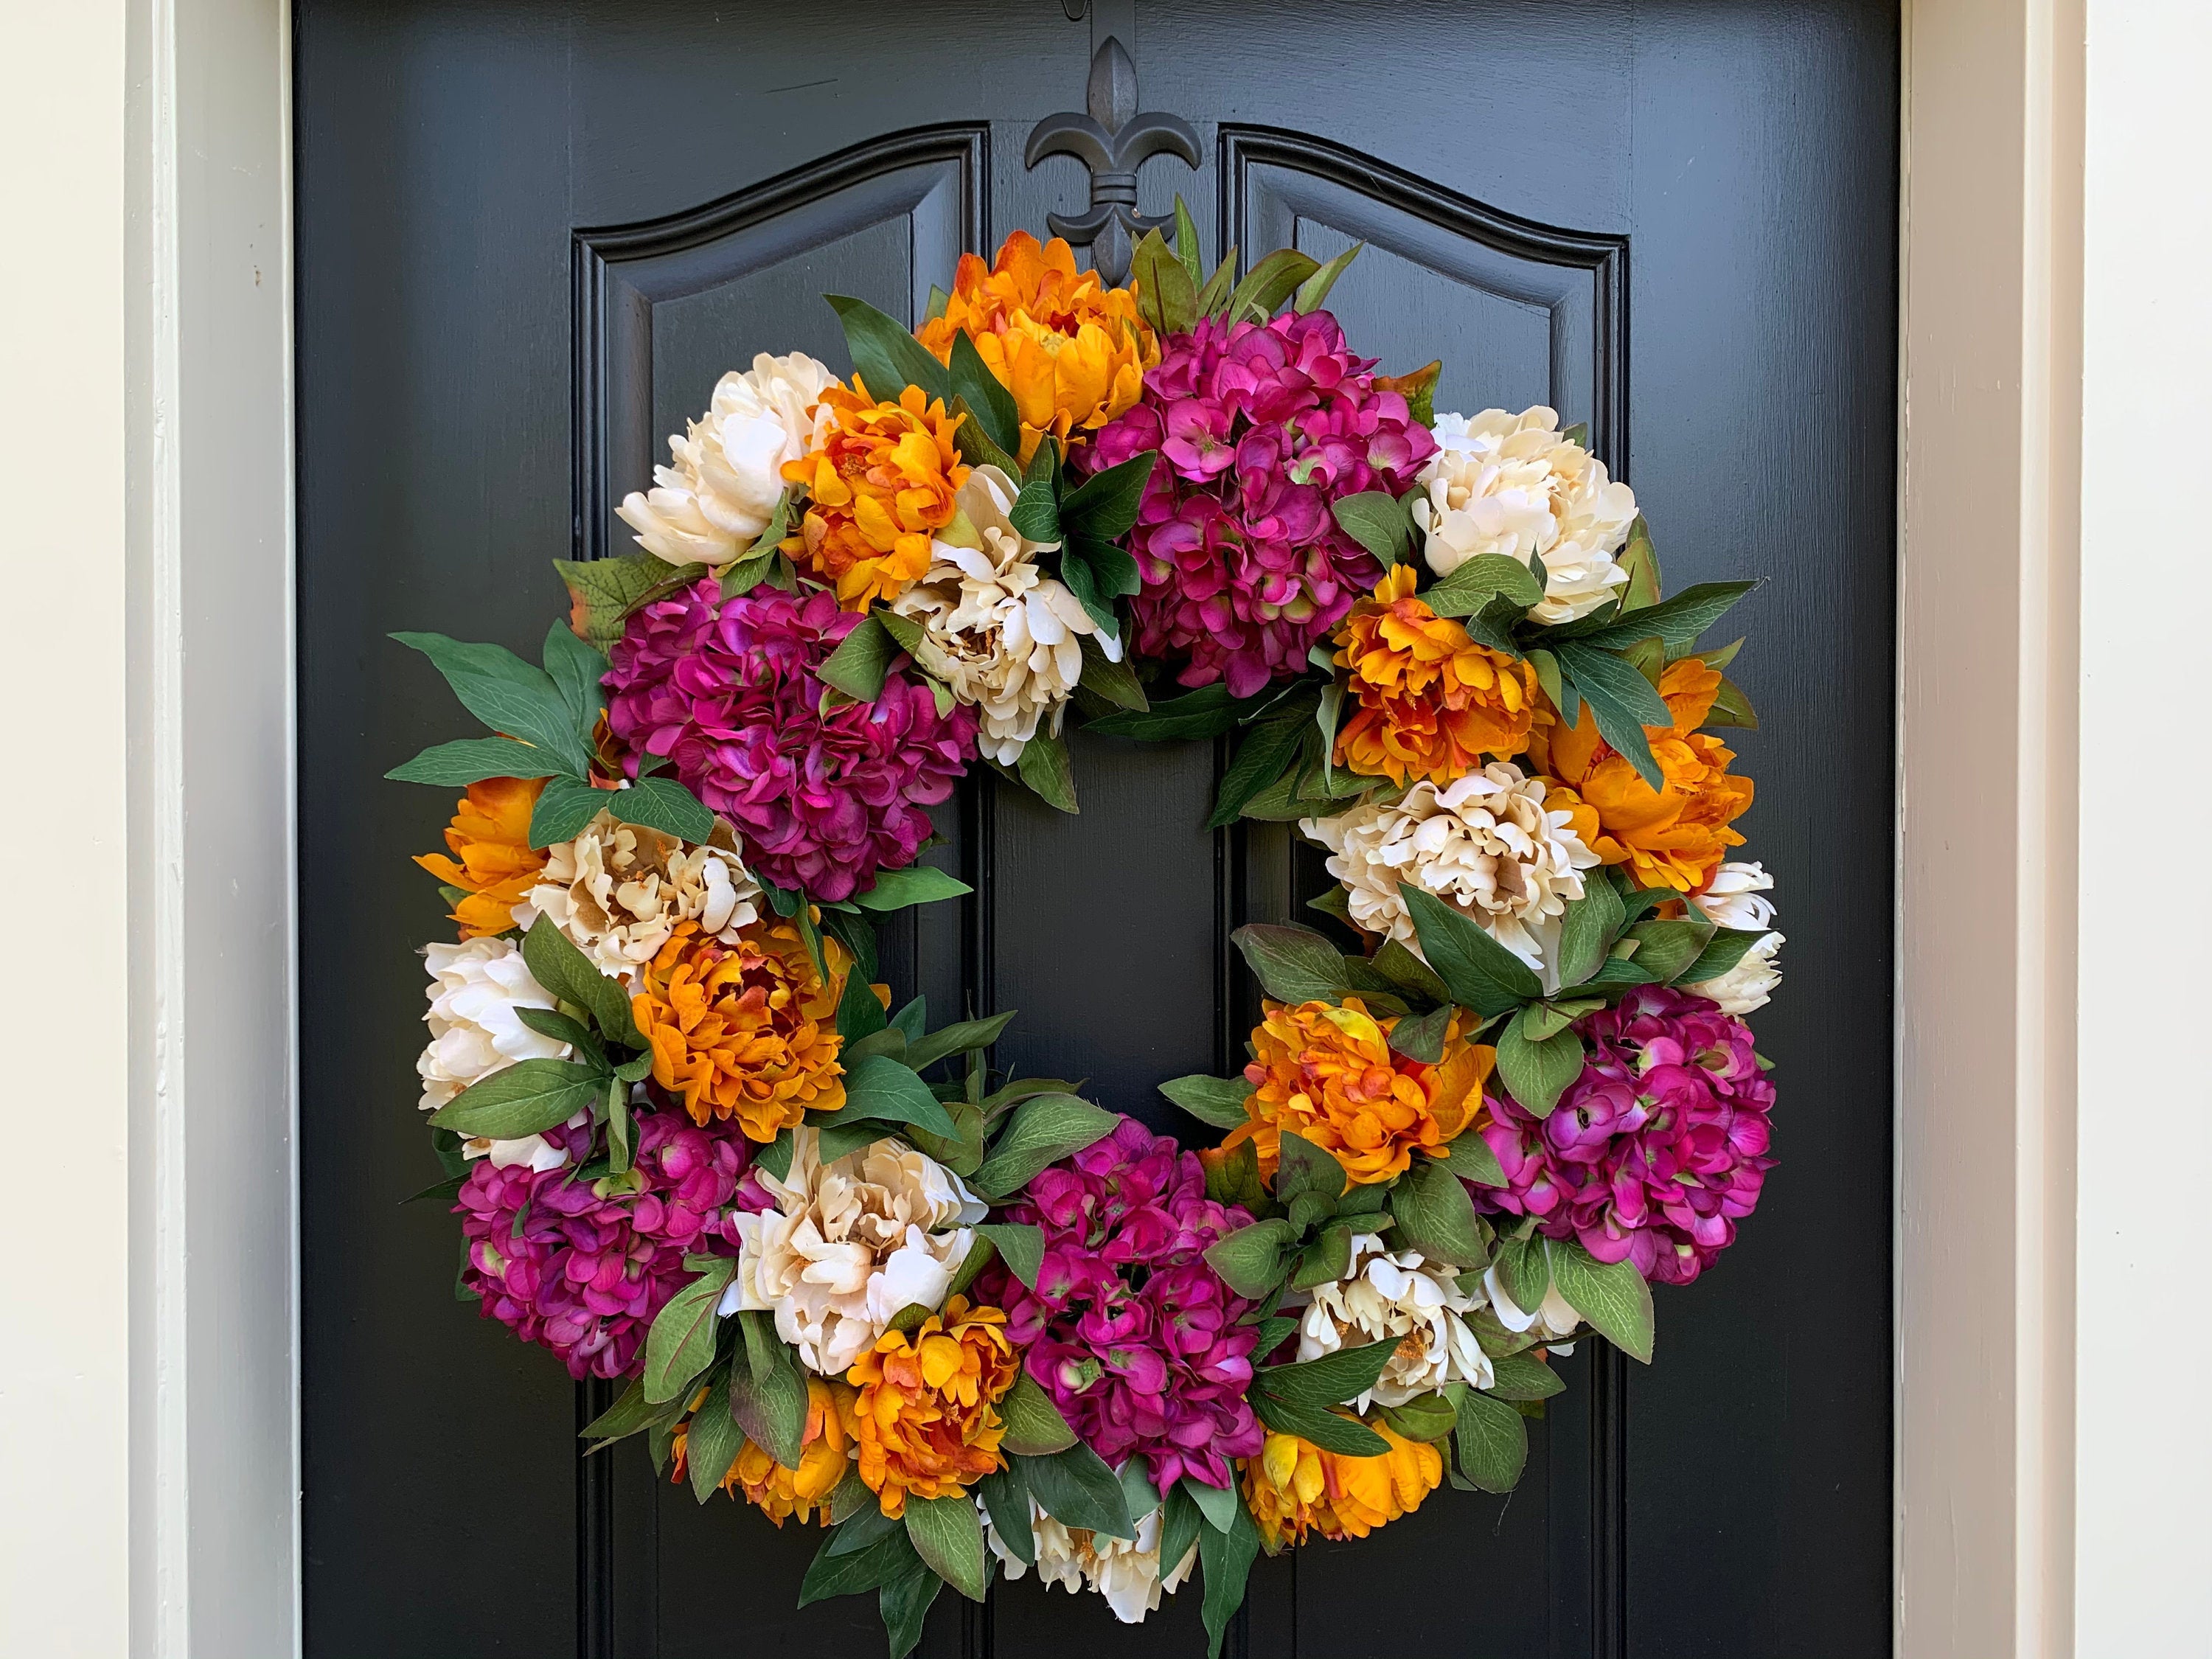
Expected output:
(584, 1275)
(1131, 1333)
(1259, 428)
(1659, 1147)
(727, 690)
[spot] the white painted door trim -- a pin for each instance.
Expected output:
(1989, 516)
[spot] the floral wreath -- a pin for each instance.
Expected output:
(858, 1278)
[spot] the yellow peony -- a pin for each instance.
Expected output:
(1072, 351)
(1293, 1487)
(1327, 1074)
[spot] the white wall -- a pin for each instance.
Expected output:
(65, 1222)
(2143, 1363)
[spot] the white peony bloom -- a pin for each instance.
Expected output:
(618, 890)
(474, 989)
(1483, 844)
(1511, 484)
(1552, 1322)
(850, 1245)
(1125, 1572)
(1004, 635)
(714, 502)
(1736, 899)
(1398, 1298)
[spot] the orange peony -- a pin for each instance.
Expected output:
(748, 1031)
(779, 1492)
(881, 479)
(1072, 350)
(489, 836)
(1675, 836)
(1428, 701)
(1328, 1075)
(1294, 1487)
(927, 1418)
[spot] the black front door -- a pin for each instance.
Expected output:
(530, 238)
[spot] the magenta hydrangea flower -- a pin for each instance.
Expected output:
(1259, 427)
(727, 690)
(1656, 1151)
(1131, 1333)
(583, 1274)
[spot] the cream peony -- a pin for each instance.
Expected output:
(1553, 1322)
(1483, 844)
(1125, 1572)
(1399, 1299)
(714, 502)
(1736, 899)
(1003, 634)
(1511, 484)
(475, 990)
(849, 1245)
(618, 890)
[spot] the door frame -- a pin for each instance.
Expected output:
(1989, 583)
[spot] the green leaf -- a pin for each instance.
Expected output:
(1408, 972)
(1185, 242)
(1044, 768)
(1378, 521)
(948, 1534)
(1179, 1524)
(1665, 948)
(1477, 582)
(1115, 682)
(833, 1575)
(1419, 388)
(859, 1016)
(1078, 1490)
(1251, 1260)
(1269, 283)
(884, 1089)
(1435, 1217)
(1205, 713)
(1731, 708)
(1226, 1559)
(564, 807)
(1313, 292)
(574, 669)
(1007, 1495)
(989, 403)
(626, 1416)
(663, 804)
(1328, 1258)
(918, 883)
(957, 1039)
(681, 1343)
(1642, 563)
(1728, 947)
(603, 591)
(572, 977)
(1137, 1489)
(1537, 1074)
(1020, 1246)
(1680, 620)
(886, 357)
(1425, 1418)
(1042, 1130)
(1293, 964)
(861, 660)
(471, 760)
(1167, 293)
(1525, 1270)
(1421, 1037)
(1622, 701)
(1345, 1435)
(904, 1602)
(1218, 1101)
(1304, 1167)
(768, 1391)
(714, 1442)
(1035, 1427)
(1588, 929)
(1213, 296)
(525, 1098)
(1105, 504)
(509, 696)
(1480, 973)
(1523, 1377)
(1272, 745)
(1331, 1380)
(1613, 1297)
(1469, 1157)
(1493, 1442)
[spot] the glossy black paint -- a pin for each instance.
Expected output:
(530, 238)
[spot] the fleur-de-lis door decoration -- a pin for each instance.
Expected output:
(1114, 140)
